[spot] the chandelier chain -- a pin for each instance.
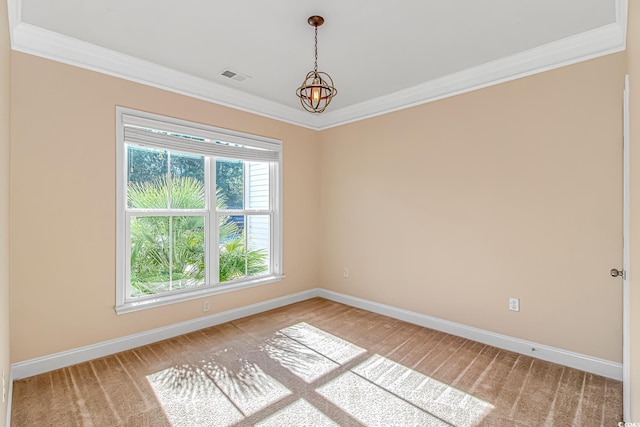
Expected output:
(315, 68)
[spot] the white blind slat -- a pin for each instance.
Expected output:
(202, 131)
(147, 138)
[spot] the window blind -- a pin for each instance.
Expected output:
(198, 140)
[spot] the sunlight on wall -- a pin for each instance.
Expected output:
(236, 383)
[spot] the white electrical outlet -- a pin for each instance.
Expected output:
(206, 306)
(514, 304)
(345, 273)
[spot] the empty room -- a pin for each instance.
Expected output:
(338, 213)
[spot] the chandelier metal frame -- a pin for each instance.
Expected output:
(317, 89)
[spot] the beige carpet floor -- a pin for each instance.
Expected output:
(317, 363)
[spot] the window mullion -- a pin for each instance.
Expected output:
(170, 252)
(170, 221)
(207, 224)
(246, 246)
(232, 212)
(245, 205)
(275, 204)
(169, 180)
(167, 212)
(214, 238)
(127, 239)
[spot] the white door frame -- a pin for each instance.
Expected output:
(626, 339)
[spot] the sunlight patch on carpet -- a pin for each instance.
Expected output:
(189, 398)
(329, 345)
(299, 414)
(445, 402)
(248, 386)
(229, 386)
(213, 394)
(372, 405)
(309, 352)
(299, 359)
(380, 392)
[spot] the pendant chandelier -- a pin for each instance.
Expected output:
(317, 89)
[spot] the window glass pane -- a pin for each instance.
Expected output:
(239, 221)
(258, 241)
(230, 184)
(232, 247)
(188, 251)
(146, 178)
(187, 181)
(257, 185)
(149, 255)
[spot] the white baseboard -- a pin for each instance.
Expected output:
(563, 357)
(594, 365)
(63, 359)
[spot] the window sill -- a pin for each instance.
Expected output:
(160, 300)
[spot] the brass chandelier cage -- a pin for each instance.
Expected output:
(317, 89)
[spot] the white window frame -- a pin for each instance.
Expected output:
(126, 118)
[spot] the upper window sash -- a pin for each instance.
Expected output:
(167, 212)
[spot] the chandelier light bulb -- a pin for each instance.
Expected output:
(315, 92)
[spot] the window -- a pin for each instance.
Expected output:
(198, 210)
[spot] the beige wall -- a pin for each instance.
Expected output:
(452, 207)
(5, 95)
(633, 56)
(63, 206)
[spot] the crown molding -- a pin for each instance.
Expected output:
(14, 8)
(588, 45)
(622, 8)
(48, 44)
(55, 46)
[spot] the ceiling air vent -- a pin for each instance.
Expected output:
(234, 76)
